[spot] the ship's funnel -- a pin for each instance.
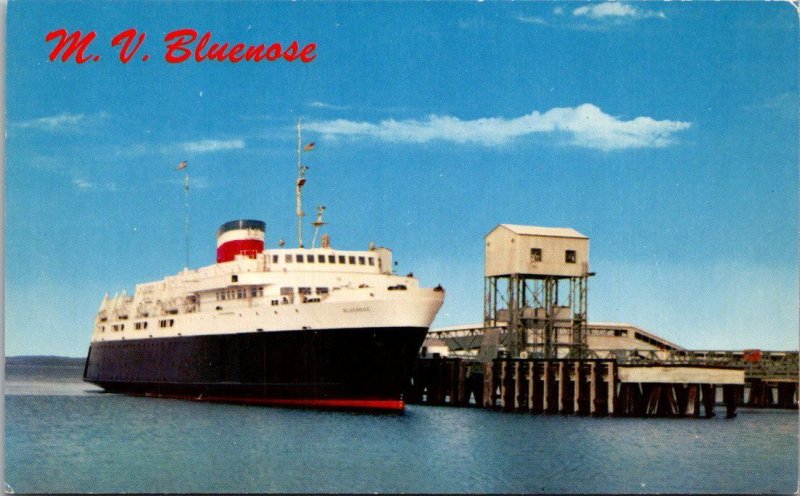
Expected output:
(240, 237)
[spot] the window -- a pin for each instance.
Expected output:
(361, 261)
(321, 258)
(569, 256)
(234, 278)
(536, 254)
(253, 292)
(352, 260)
(311, 259)
(299, 258)
(341, 259)
(322, 291)
(371, 260)
(304, 291)
(287, 291)
(261, 291)
(331, 258)
(274, 258)
(288, 258)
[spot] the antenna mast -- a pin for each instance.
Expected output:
(186, 202)
(184, 166)
(317, 224)
(301, 180)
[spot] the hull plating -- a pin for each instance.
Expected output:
(333, 368)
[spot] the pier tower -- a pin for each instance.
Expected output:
(536, 283)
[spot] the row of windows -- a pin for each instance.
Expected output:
(331, 259)
(239, 293)
(303, 291)
(139, 325)
(569, 255)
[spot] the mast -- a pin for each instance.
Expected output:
(317, 224)
(184, 166)
(186, 203)
(301, 180)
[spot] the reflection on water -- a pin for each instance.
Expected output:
(57, 380)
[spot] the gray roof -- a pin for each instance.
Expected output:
(556, 232)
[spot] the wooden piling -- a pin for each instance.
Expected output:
(787, 395)
(463, 389)
(488, 383)
(709, 399)
(561, 391)
(518, 379)
(583, 389)
(653, 395)
(507, 387)
(611, 380)
(531, 375)
(730, 398)
(692, 401)
(538, 387)
(593, 388)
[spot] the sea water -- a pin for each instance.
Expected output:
(65, 436)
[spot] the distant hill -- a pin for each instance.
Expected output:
(45, 360)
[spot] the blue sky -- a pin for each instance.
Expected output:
(666, 132)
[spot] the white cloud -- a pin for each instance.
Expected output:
(64, 121)
(82, 184)
(86, 185)
(531, 20)
(210, 145)
(784, 105)
(614, 10)
(329, 106)
(585, 125)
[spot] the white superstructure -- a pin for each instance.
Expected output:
(274, 290)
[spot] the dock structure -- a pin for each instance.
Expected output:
(536, 351)
(597, 387)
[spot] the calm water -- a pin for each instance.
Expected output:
(63, 436)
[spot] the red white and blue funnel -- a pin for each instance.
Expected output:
(240, 237)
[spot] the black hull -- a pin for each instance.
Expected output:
(334, 368)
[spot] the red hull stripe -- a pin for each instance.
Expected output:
(249, 247)
(344, 403)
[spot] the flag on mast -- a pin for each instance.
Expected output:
(308, 147)
(182, 165)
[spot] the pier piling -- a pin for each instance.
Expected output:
(597, 387)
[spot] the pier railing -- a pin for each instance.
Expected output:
(774, 366)
(762, 365)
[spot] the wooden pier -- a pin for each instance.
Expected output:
(597, 387)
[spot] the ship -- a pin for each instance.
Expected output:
(309, 327)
